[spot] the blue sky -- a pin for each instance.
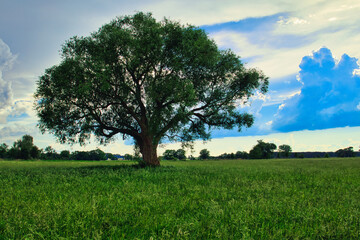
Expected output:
(309, 49)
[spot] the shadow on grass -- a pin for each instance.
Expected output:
(126, 168)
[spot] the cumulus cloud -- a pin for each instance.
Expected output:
(329, 96)
(11, 109)
(6, 61)
(12, 132)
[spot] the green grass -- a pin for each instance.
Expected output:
(252, 199)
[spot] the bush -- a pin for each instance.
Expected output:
(3, 150)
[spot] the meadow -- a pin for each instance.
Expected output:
(230, 199)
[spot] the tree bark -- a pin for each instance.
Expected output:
(149, 153)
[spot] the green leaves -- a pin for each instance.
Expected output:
(144, 79)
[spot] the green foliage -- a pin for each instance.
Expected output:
(301, 155)
(262, 150)
(149, 80)
(281, 199)
(128, 157)
(110, 156)
(50, 153)
(180, 154)
(24, 149)
(94, 155)
(346, 152)
(242, 155)
(97, 155)
(3, 150)
(284, 150)
(226, 156)
(170, 154)
(237, 155)
(65, 155)
(204, 154)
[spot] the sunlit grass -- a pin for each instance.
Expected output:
(237, 199)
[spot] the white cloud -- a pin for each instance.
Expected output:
(6, 61)
(304, 26)
(212, 11)
(21, 113)
(6, 57)
(275, 63)
(358, 106)
(12, 132)
(292, 21)
(21, 107)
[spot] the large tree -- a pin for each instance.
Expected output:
(145, 79)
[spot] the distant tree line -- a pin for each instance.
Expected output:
(262, 150)
(24, 148)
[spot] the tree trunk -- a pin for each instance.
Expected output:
(148, 151)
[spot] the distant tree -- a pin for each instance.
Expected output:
(65, 155)
(111, 156)
(35, 152)
(345, 152)
(262, 150)
(80, 155)
(256, 153)
(242, 155)
(227, 156)
(284, 150)
(96, 155)
(128, 157)
(149, 80)
(204, 154)
(50, 153)
(169, 154)
(24, 148)
(14, 152)
(180, 154)
(3, 150)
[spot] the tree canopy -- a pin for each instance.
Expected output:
(174, 154)
(23, 148)
(204, 154)
(150, 80)
(284, 150)
(262, 150)
(346, 152)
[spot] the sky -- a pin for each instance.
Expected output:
(309, 49)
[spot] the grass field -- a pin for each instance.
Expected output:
(237, 199)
